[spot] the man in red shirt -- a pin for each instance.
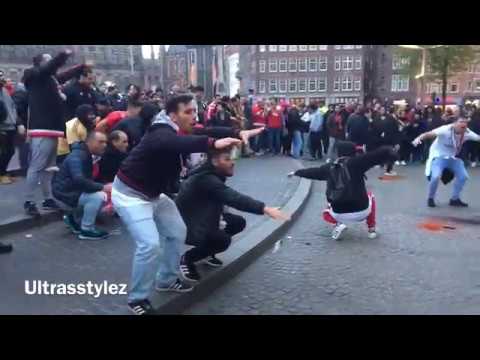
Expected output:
(106, 125)
(274, 127)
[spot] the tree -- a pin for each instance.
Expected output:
(442, 61)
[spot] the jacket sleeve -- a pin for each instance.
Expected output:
(84, 184)
(51, 67)
(70, 73)
(229, 197)
(185, 144)
(217, 132)
(314, 173)
(377, 157)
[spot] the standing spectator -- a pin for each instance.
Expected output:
(199, 104)
(116, 99)
(222, 117)
(325, 137)
(74, 187)
(316, 126)
(336, 131)
(20, 97)
(260, 119)
(8, 130)
(295, 126)
(357, 128)
(80, 92)
(274, 128)
(391, 136)
(46, 123)
(472, 147)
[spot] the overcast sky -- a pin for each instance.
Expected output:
(146, 50)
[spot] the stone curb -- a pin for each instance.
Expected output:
(240, 255)
(23, 222)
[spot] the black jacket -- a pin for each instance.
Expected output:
(391, 131)
(76, 96)
(109, 164)
(218, 121)
(357, 166)
(357, 129)
(134, 127)
(201, 201)
(153, 167)
(47, 108)
(75, 176)
(294, 121)
(20, 98)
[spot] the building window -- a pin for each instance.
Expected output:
(272, 86)
(282, 48)
(261, 86)
(471, 68)
(348, 63)
(358, 63)
(358, 46)
(453, 87)
(348, 47)
(262, 64)
(347, 83)
(262, 48)
(282, 85)
(272, 48)
(322, 63)
(358, 85)
(292, 85)
(338, 47)
(312, 47)
(303, 47)
(292, 65)
(399, 62)
(302, 85)
(338, 64)
(400, 83)
(312, 85)
(322, 47)
(477, 85)
(431, 88)
(302, 65)
(272, 65)
(322, 84)
(292, 47)
(470, 86)
(282, 65)
(336, 84)
(312, 64)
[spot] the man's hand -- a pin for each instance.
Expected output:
(417, 141)
(247, 134)
(276, 214)
(89, 63)
(396, 147)
(68, 52)
(226, 143)
(290, 174)
(107, 188)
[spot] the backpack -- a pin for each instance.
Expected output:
(339, 188)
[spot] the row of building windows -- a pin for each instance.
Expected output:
(283, 48)
(346, 83)
(453, 87)
(400, 83)
(312, 64)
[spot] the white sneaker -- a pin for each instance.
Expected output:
(474, 164)
(397, 163)
(338, 230)
(378, 166)
(403, 163)
(372, 234)
(391, 173)
(328, 161)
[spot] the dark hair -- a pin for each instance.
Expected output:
(135, 86)
(148, 111)
(115, 135)
(215, 153)
(198, 88)
(104, 101)
(86, 70)
(37, 59)
(134, 102)
(83, 110)
(173, 102)
(313, 106)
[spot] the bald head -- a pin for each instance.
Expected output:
(96, 142)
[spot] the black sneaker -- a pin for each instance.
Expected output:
(431, 203)
(95, 234)
(74, 227)
(188, 271)
(5, 249)
(31, 209)
(213, 262)
(177, 286)
(50, 205)
(458, 203)
(141, 307)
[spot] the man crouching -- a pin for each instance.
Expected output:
(201, 201)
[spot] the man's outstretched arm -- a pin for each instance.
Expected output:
(313, 173)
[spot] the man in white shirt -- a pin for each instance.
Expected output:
(448, 143)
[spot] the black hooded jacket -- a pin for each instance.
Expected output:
(357, 166)
(202, 198)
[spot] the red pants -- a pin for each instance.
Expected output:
(371, 222)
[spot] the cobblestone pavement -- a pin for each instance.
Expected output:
(406, 270)
(52, 254)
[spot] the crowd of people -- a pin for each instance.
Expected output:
(160, 161)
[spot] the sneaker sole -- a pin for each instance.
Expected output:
(82, 237)
(134, 313)
(164, 290)
(184, 278)
(205, 262)
(50, 209)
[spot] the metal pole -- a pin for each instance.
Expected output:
(131, 60)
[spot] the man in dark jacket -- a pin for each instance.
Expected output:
(202, 200)
(357, 128)
(295, 126)
(336, 124)
(80, 92)
(391, 136)
(46, 123)
(360, 205)
(74, 187)
(139, 197)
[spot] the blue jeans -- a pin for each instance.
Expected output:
(159, 233)
(92, 204)
(274, 140)
(456, 166)
(297, 144)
